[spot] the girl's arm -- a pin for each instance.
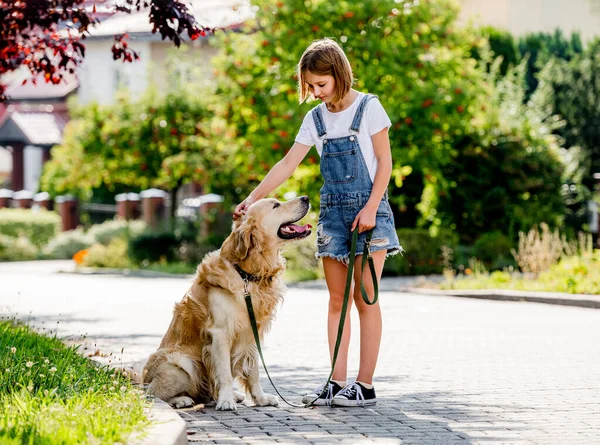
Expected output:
(383, 153)
(276, 176)
(366, 218)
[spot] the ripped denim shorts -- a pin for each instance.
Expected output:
(336, 216)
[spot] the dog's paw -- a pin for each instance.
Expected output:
(238, 396)
(181, 402)
(266, 400)
(226, 405)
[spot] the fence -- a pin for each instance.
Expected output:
(152, 205)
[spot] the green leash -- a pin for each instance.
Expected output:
(366, 258)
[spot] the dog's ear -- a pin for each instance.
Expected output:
(237, 222)
(239, 243)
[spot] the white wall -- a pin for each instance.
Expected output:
(524, 16)
(5, 160)
(493, 13)
(32, 160)
(5, 165)
(98, 74)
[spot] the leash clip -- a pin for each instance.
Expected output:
(246, 293)
(368, 247)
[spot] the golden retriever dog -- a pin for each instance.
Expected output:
(209, 343)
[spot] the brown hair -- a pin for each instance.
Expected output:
(325, 57)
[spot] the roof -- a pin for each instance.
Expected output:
(208, 13)
(42, 128)
(40, 90)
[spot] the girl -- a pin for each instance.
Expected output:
(350, 131)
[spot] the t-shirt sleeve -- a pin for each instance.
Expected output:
(377, 118)
(305, 136)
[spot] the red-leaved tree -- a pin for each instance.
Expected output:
(46, 35)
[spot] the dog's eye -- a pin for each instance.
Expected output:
(276, 205)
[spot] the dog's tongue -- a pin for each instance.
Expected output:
(296, 228)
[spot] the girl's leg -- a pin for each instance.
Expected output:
(370, 317)
(335, 276)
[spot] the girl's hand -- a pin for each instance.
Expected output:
(365, 219)
(242, 207)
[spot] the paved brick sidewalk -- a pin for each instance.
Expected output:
(451, 370)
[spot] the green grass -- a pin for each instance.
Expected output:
(573, 275)
(291, 275)
(49, 394)
(174, 268)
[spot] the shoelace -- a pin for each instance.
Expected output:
(350, 390)
(328, 395)
(321, 389)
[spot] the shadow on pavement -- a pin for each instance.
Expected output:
(425, 418)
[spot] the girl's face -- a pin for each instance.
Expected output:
(322, 87)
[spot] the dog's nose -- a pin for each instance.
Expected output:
(304, 199)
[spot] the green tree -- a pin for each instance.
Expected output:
(411, 54)
(511, 176)
(160, 141)
(501, 44)
(576, 98)
(541, 47)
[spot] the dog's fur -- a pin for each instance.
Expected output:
(210, 342)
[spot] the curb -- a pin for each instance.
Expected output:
(123, 273)
(167, 428)
(578, 300)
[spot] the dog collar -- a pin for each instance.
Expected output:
(245, 275)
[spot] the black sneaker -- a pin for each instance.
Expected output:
(354, 394)
(322, 395)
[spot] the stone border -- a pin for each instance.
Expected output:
(579, 300)
(124, 272)
(167, 428)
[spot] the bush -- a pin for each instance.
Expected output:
(17, 249)
(502, 44)
(575, 97)
(117, 228)
(462, 254)
(39, 226)
(191, 250)
(538, 251)
(301, 263)
(575, 274)
(152, 247)
(509, 177)
(114, 255)
(541, 47)
(423, 253)
(66, 244)
(493, 249)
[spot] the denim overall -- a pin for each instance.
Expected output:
(346, 190)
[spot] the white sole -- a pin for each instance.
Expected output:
(318, 402)
(352, 403)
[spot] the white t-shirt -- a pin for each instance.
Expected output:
(337, 125)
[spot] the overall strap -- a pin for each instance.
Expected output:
(319, 122)
(360, 111)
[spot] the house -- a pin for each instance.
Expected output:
(30, 124)
(524, 16)
(101, 77)
(33, 121)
